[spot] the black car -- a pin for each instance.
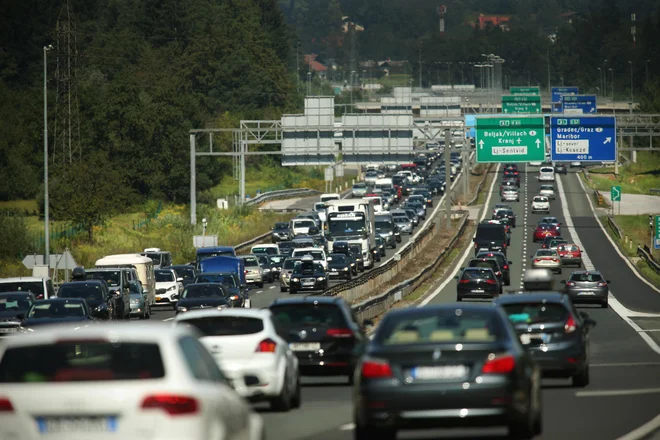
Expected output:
(446, 366)
(356, 251)
(206, 296)
(185, 271)
(276, 262)
(560, 168)
(95, 293)
(343, 247)
(286, 247)
(489, 263)
(237, 293)
(477, 282)
(380, 246)
(505, 264)
(308, 275)
(322, 333)
(490, 237)
(554, 333)
(339, 266)
(506, 214)
(13, 305)
(72, 312)
(281, 232)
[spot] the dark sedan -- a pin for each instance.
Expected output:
(281, 232)
(505, 264)
(587, 287)
(339, 266)
(276, 262)
(555, 335)
(72, 312)
(95, 293)
(13, 305)
(560, 168)
(477, 282)
(308, 275)
(506, 214)
(446, 366)
(492, 263)
(206, 296)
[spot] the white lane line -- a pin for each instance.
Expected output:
(271, 287)
(347, 427)
(168, 319)
(611, 393)
(469, 247)
(616, 248)
(627, 364)
(614, 304)
(644, 430)
(259, 291)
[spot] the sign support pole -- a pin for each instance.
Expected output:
(448, 178)
(193, 183)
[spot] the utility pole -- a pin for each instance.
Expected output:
(420, 65)
(46, 216)
(466, 165)
(298, 65)
(549, 87)
(448, 178)
(193, 182)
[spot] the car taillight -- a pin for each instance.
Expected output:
(340, 332)
(499, 365)
(266, 346)
(5, 405)
(601, 284)
(570, 283)
(504, 245)
(556, 260)
(536, 260)
(245, 271)
(173, 405)
(464, 281)
(498, 273)
(506, 267)
(491, 281)
(570, 326)
(376, 369)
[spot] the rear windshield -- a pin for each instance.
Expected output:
(84, 290)
(540, 199)
(547, 170)
(547, 188)
(289, 263)
(444, 326)
(587, 277)
(225, 325)
(565, 248)
(57, 309)
(492, 264)
(81, 361)
(111, 277)
(11, 303)
(225, 280)
(36, 287)
(535, 313)
(277, 259)
(490, 232)
(303, 223)
(264, 250)
(251, 262)
(316, 255)
(186, 274)
(339, 258)
(478, 275)
(203, 291)
(297, 315)
(546, 253)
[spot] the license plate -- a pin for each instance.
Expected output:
(309, 284)
(9, 330)
(305, 346)
(527, 338)
(52, 425)
(439, 372)
(587, 293)
(478, 290)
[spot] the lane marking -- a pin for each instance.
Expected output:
(644, 430)
(612, 393)
(347, 427)
(627, 364)
(614, 304)
(469, 247)
(271, 287)
(168, 319)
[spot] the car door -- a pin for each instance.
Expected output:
(291, 358)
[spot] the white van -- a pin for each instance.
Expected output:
(547, 174)
(301, 226)
(318, 254)
(269, 249)
(327, 197)
(143, 265)
(42, 288)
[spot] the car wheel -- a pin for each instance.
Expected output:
(292, 292)
(522, 429)
(581, 379)
(559, 271)
(297, 396)
(282, 403)
(283, 289)
(605, 304)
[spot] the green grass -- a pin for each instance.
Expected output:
(648, 273)
(21, 205)
(634, 178)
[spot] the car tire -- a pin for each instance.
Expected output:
(523, 430)
(349, 277)
(605, 304)
(292, 292)
(581, 379)
(283, 289)
(282, 403)
(296, 399)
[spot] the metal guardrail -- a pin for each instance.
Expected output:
(615, 228)
(377, 305)
(283, 193)
(644, 252)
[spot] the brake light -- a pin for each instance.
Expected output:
(464, 281)
(245, 271)
(536, 260)
(376, 370)
(5, 405)
(570, 283)
(555, 260)
(570, 326)
(172, 404)
(499, 365)
(266, 346)
(506, 267)
(340, 332)
(504, 245)
(491, 281)
(498, 273)
(602, 284)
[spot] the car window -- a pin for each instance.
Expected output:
(487, 264)
(251, 262)
(36, 287)
(535, 313)
(226, 280)
(540, 199)
(82, 361)
(225, 325)
(308, 315)
(56, 310)
(545, 253)
(587, 277)
(200, 363)
(203, 291)
(87, 291)
(164, 276)
(14, 303)
(445, 325)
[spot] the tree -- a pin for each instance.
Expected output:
(88, 194)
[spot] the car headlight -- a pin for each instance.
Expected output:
(352, 264)
(346, 269)
(266, 270)
(234, 297)
(171, 288)
(182, 309)
(320, 279)
(295, 280)
(223, 306)
(100, 308)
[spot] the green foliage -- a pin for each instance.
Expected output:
(14, 235)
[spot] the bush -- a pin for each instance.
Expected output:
(14, 235)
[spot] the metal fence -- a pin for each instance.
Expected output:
(644, 252)
(282, 194)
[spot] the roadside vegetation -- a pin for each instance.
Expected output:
(634, 177)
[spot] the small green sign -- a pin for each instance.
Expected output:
(507, 139)
(525, 91)
(656, 232)
(615, 193)
(529, 104)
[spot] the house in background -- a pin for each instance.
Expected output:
(314, 66)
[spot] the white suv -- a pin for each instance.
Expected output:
(540, 204)
(547, 174)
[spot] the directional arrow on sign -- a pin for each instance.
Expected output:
(538, 142)
(593, 110)
(607, 140)
(481, 144)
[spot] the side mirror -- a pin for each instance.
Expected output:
(179, 280)
(608, 281)
(509, 262)
(457, 277)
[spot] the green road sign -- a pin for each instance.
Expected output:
(505, 139)
(525, 91)
(521, 104)
(656, 232)
(615, 193)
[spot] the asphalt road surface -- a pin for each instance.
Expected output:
(624, 392)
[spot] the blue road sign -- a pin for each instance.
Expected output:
(470, 123)
(583, 138)
(557, 107)
(558, 91)
(585, 104)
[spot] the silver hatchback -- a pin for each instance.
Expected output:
(587, 286)
(510, 195)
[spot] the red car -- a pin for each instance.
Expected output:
(570, 254)
(545, 230)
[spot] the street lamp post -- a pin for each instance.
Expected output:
(462, 77)
(309, 83)
(647, 71)
(600, 80)
(631, 86)
(612, 81)
(46, 213)
(449, 72)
